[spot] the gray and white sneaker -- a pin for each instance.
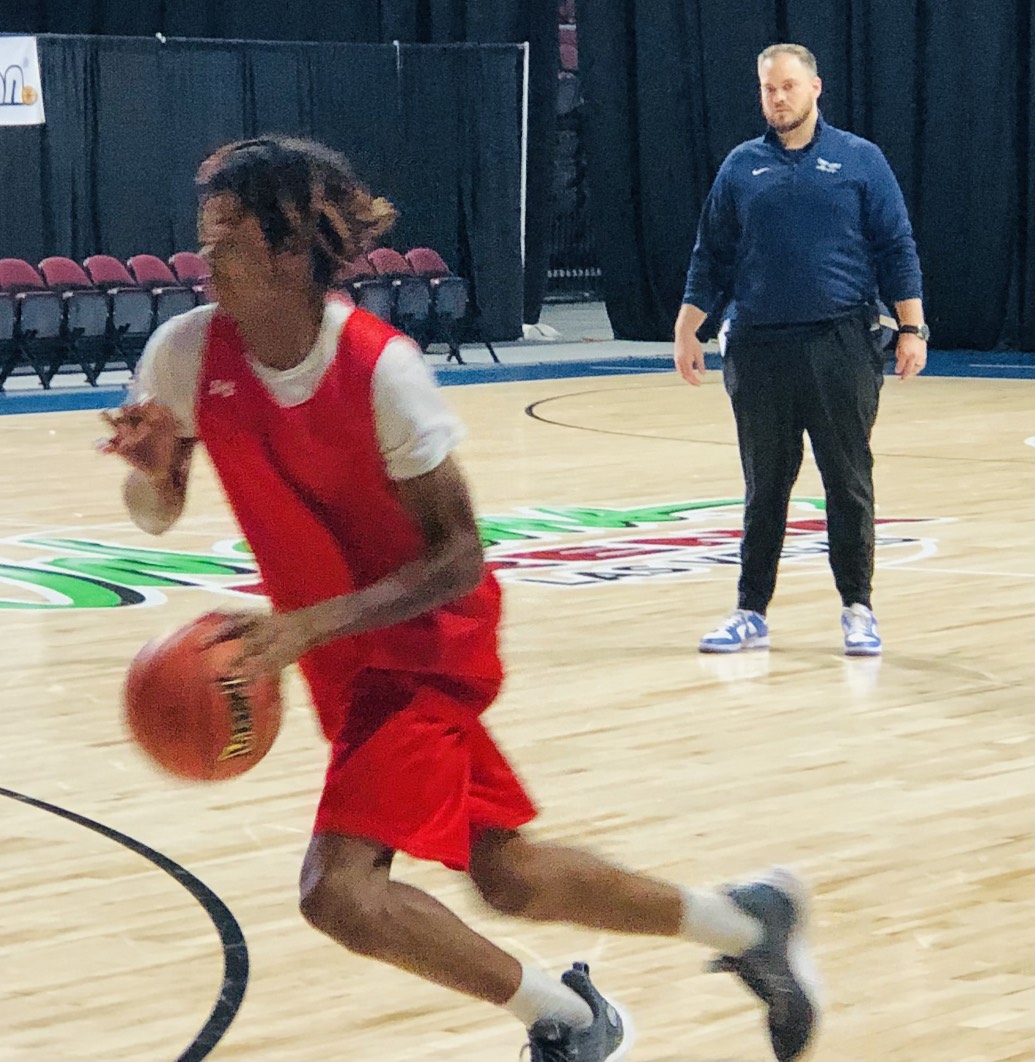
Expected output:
(608, 1039)
(778, 969)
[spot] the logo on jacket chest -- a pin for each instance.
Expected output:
(222, 388)
(827, 167)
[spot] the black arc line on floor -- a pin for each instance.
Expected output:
(532, 410)
(235, 949)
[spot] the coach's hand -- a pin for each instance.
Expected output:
(689, 359)
(910, 355)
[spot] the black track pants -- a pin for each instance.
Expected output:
(827, 384)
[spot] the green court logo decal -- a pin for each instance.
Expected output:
(547, 546)
(645, 546)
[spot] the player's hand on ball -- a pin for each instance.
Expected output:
(269, 642)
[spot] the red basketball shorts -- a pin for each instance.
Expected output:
(414, 769)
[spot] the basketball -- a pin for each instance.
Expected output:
(189, 713)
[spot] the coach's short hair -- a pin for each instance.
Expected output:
(807, 59)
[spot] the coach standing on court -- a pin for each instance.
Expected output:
(802, 230)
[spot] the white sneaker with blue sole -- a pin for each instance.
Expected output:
(860, 629)
(743, 629)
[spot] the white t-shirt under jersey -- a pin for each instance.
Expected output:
(415, 428)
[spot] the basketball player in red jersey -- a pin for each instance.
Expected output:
(333, 447)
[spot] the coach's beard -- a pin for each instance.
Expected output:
(794, 123)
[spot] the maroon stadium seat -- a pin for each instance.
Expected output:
(87, 314)
(194, 272)
(449, 300)
(132, 313)
(170, 297)
(37, 322)
(411, 305)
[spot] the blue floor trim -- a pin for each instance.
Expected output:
(456, 375)
(61, 400)
(1006, 365)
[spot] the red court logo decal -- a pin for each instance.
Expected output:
(549, 546)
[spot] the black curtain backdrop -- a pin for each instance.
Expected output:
(271, 77)
(435, 128)
(944, 87)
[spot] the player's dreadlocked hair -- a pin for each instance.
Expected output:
(304, 195)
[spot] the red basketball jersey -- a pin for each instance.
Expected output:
(309, 488)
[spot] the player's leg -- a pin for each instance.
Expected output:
(554, 883)
(347, 893)
(757, 927)
(406, 784)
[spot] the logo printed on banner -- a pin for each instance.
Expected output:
(21, 95)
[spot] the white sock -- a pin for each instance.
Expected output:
(542, 996)
(712, 918)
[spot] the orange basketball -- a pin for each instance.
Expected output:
(190, 714)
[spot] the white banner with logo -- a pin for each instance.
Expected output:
(21, 94)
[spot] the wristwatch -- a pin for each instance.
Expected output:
(915, 330)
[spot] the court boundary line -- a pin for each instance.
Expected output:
(231, 936)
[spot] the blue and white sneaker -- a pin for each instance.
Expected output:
(778, 969)
(608, 1039)
(860, 627)
(743, 629)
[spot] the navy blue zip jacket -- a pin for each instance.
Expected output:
(795, 237)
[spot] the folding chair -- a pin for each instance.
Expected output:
(37, 333)
(449, 301)
(169, 296)
(86, 324)
(411, 305)
(130, 308)
(192, 271)
(373, 293)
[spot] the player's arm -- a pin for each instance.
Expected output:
(146, 432)
(417, 434)
(450, 565)
(155, 499)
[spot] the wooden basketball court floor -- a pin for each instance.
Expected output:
(902, 787)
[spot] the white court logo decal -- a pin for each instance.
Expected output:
(554, 546)
(634, 545)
